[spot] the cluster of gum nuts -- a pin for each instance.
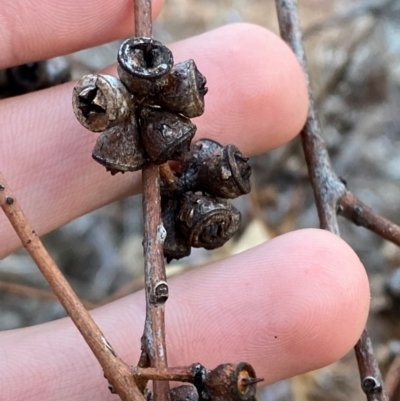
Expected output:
(145, 117)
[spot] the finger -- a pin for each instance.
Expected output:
(294, 304)
(32, 31)
(257, 101)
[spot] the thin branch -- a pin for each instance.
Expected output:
(392, 380)
(115, 370)
(153, 341)
(179, 374)
(326, 185)
(168, 177)
(328, 188)
(361, 215)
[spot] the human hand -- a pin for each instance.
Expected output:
(288, 306)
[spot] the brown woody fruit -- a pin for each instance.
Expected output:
(186, 392)
(230, 382)
(183, 90)
(218, 170)
(207, 222)
(101, 102)
(119, 148)
(142, 62)
(176, 245)
(166, 136)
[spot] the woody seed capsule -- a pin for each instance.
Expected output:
(183, 90)
(218, 170)
(101, 102)
(142, 63)
(207, 222)
(176, 246)
(119, 148)
(186, 392)
(230, 382)
(166, 136)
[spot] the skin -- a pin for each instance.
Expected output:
(302, 299)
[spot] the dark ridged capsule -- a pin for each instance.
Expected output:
(230, 382)
(101, 102)
(207, 222)
(183, 90)
(119, 148)
(221, 171)
(176, 246)
(186, 392)
(165, 135)
(142, 63)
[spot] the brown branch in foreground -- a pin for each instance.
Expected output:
(115, 370)
(360, 214)
(328, 188)
(154, 349)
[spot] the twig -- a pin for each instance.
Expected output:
(168, 177)
(392, 380)
(328, 188)
(31, 292)
(179, 374)
(154, 349)
(361, 215)
(115, 370)
(326, 185)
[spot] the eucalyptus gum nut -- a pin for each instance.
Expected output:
(185, 392)
(231, 382)
(176, 245)
(183, 90)
(221, 171)
(101, 102)
(207, 222)
(142, 64)
(165, 135)
(119, 148)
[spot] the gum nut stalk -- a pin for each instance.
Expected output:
(230, 382)
(119, 148)
(221, 171)
(183, 91)
(165, 135)
(176, 245)
(101, 102)
(207, 222)
(142, 63)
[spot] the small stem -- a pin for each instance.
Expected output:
(371, 379)
(153, 341)
(328, 188)
(392, 380)
(115, 370)
(179, 374)
(360, 214)
(168, 177)
(326, 185)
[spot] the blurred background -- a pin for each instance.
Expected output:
(353, 49)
